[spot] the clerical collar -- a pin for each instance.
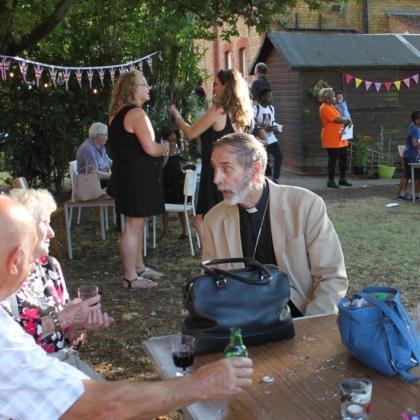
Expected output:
(263, 200)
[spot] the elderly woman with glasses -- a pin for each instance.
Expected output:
(136, 181)
(92, 153)
(42, 304)
(231, 111)
(332, 129)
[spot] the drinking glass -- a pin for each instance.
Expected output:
(182, 347)
(86, 292)
(355, 399)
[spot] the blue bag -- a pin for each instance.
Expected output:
(378, 335)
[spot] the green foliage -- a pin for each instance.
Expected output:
(361, 150)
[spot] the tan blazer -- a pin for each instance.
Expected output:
(306, 245)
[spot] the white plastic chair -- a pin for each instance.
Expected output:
(72, 172)
(189, 203)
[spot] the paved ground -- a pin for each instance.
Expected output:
(319, 182)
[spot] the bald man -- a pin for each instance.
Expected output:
(34, 385)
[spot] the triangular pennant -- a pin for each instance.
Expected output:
(397, 84)
(357, 81)
(140, 64)
(53, 75)
(349, 78)
(416, 78)
(4, 67)
(122, 69)
(407, 82)
(368, 84)
(90, 76)
(79, 75)
(387, 86)
(23, 65)
(132, 66)
(38, 72)
(101, 75)
(150, 63)
(378, 86)
(112, 74)
(66, 76)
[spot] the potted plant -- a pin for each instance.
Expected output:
(386, 166)
(316, 88)
(360, 154)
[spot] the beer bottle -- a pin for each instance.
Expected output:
(236, 347)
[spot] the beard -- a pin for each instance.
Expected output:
(238, 193)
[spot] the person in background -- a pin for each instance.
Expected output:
(136, 181)
(230, 112)
(259, 82)
(332, 129)
(92, 153)
(173, 180)
(410, 155)
(264, 113)
(35, 386)
(273, 224)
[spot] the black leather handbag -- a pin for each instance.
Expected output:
(253, 298)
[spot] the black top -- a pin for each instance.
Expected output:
(136, 180)
(257, 85)
(209, 195)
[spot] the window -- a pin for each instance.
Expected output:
(228, 60)
(243, 62)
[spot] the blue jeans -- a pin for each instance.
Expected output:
(275, 150)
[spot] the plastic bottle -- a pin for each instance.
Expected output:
(236, 347)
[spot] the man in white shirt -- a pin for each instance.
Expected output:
(35, 386)
(265, 114)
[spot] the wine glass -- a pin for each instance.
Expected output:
(182, 347)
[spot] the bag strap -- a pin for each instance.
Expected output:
(218, 274)
(412, 340)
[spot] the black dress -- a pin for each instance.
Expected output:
(173, 180)
(136, 180)
(209, 195)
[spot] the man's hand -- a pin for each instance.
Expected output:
(224, 377)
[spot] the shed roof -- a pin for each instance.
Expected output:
(330, 51)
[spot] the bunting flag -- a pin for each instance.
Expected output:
(53, 75)
(60, 75)
(112, 74)
(23, 65)
(38, 73)
(66, 76)
(101, 76)
(388, 85)
(90, 76)
(79, 75)
(150, 63)
(4, 67)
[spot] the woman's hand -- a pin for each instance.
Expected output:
(173, 111)
(76, 312)
(96, 321)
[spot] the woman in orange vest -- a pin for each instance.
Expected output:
(332, 128)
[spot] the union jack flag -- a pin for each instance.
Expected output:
(112, 74)
(140, 64)
(79, 76)
(101, 75)
(53, 74)
(150, 63)
(38, 72)
(4, 67)
(122, 69)
(66, 76)
(90, 76)
(23, 65)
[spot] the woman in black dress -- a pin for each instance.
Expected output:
(173, 180)
(136, 180)
(230, 112)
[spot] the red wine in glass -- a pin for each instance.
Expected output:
(182, 347)
(183, 359)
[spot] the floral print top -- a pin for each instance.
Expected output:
(42, 292)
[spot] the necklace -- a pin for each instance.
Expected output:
(260, 229)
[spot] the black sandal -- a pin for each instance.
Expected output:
(130, 282)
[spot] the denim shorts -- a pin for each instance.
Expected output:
(407, 168)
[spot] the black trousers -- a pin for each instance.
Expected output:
(334, 154)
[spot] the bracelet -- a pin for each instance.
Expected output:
(54, 317)
(79, 331)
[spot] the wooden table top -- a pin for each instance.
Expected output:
(307, 370)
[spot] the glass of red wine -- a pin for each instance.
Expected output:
(182, 347)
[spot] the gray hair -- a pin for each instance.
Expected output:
(325, 94)
(247, 149)
(96, 129)
(261, 68)
(38, 202)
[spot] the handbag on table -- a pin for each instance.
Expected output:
(87, 186)
(380, 335)
(253, 298)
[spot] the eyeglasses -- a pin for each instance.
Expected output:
(144, 84)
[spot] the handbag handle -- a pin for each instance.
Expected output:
(412, 340)
(217, 273)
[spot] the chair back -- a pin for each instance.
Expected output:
(20, 183)
(72, 172)
(401, 149)
(189, 185)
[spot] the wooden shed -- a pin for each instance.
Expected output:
(378, 75)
